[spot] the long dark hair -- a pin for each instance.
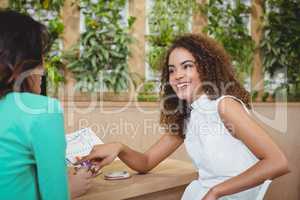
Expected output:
(23, 43)
(214, 67)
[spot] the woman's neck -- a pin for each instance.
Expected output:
(197, 96)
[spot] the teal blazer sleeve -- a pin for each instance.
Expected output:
(49, 148)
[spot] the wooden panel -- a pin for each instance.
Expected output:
(199, 20)
(170, 194)
(170, 175)
(257, 78)
(71, 35)
(137, 8)
(286, 187)
(3, 3)
(71, 20)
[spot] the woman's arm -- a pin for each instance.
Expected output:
(144, 162)
(272, 162)
(103, 155)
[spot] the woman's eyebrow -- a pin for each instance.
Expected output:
(184, 62)
(171, 65)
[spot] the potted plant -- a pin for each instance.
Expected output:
(99, 61)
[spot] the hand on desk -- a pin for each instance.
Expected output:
(103, 154)
(79, 182)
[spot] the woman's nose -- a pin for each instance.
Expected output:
(179, 74)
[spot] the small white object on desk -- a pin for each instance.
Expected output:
(117, 175)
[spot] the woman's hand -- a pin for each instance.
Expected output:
(104, 154)
(79, 182)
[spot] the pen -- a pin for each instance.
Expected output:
(69, 161)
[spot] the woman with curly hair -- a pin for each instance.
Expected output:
(208, 110)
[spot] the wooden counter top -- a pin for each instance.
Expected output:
(168, 175)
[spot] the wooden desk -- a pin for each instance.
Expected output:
(167, 182)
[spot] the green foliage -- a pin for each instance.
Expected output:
(281, 43)
(265, 96)
(148, 87)
(148, 97)
(54, 68)
(47, 12)
(23, 5)
(56, 28)
(227, 23)
(167, 19)
(100, 60)
(148, 92)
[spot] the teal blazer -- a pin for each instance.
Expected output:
(32, 148)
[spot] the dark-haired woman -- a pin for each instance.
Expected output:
(207, 109)
(32, 139)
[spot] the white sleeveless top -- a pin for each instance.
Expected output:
(216, 154)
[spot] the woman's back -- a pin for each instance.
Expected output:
(32, 148)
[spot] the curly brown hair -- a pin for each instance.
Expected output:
(214, 67)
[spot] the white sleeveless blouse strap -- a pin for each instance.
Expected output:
(235, 98)
(263, 190)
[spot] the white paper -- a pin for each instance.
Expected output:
(80, 143)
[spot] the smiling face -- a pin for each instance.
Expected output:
(183, 75)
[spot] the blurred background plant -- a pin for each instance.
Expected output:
(48, 12)
(99, 61)
(281, 45)
(227, 22)
(167, 19)
(148, 92)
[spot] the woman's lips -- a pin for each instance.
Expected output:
(182, 85)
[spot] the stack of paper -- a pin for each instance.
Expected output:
(80, 143)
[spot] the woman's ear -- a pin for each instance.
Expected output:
(35, 80)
